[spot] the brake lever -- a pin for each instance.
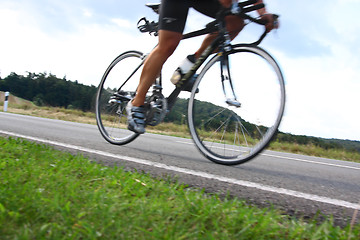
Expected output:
(276, 25)
(276, 21)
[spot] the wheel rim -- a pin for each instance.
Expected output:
(229, 134)
(110, 103)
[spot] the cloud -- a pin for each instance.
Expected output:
(322, 93)
(82, 55)
(87, 13)
(122, 23)
(316, 47)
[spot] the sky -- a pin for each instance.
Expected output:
(316, 47)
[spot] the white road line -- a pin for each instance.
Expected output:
(262, 187)
(294, 159)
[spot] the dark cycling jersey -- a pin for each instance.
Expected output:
(173, 13)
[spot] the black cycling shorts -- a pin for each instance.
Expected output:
(173, 13)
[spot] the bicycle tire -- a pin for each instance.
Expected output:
(229, 132)
(117, 87)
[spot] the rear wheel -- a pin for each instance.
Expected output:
(116, 89)
(231, 121)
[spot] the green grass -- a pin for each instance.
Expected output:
(48, 194)
(312, 150)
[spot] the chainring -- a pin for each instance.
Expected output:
(157, 109)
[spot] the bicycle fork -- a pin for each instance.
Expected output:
(227, 81)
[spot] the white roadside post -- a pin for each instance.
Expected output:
(6, 101)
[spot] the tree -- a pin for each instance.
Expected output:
(47, 89)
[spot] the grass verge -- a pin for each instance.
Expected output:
(48, 194)
(312, 150)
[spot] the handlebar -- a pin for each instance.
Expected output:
(242, 10)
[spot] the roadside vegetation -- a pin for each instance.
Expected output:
(180, 130)
(48, 194)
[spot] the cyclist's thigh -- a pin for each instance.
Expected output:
(207, 7)
(212, 7)
(173, 15)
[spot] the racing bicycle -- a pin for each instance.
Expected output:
(236, 103)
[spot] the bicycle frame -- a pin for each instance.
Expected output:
(171, 99)
(222, 43)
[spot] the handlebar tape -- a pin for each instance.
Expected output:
(253, 8)
(247, 3)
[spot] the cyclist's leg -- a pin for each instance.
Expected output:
(173, 14)
(168, 41)
(172, 18)
(234, 25)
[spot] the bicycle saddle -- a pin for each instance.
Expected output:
(154, 6)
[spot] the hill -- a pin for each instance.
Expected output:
(14, 100)
(47, 89)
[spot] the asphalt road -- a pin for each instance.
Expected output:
(299, 185)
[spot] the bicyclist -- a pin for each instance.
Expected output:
(173, 14)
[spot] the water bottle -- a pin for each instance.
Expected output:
(184, 67)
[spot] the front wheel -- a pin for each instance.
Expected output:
(117, 87)
(239, 106)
